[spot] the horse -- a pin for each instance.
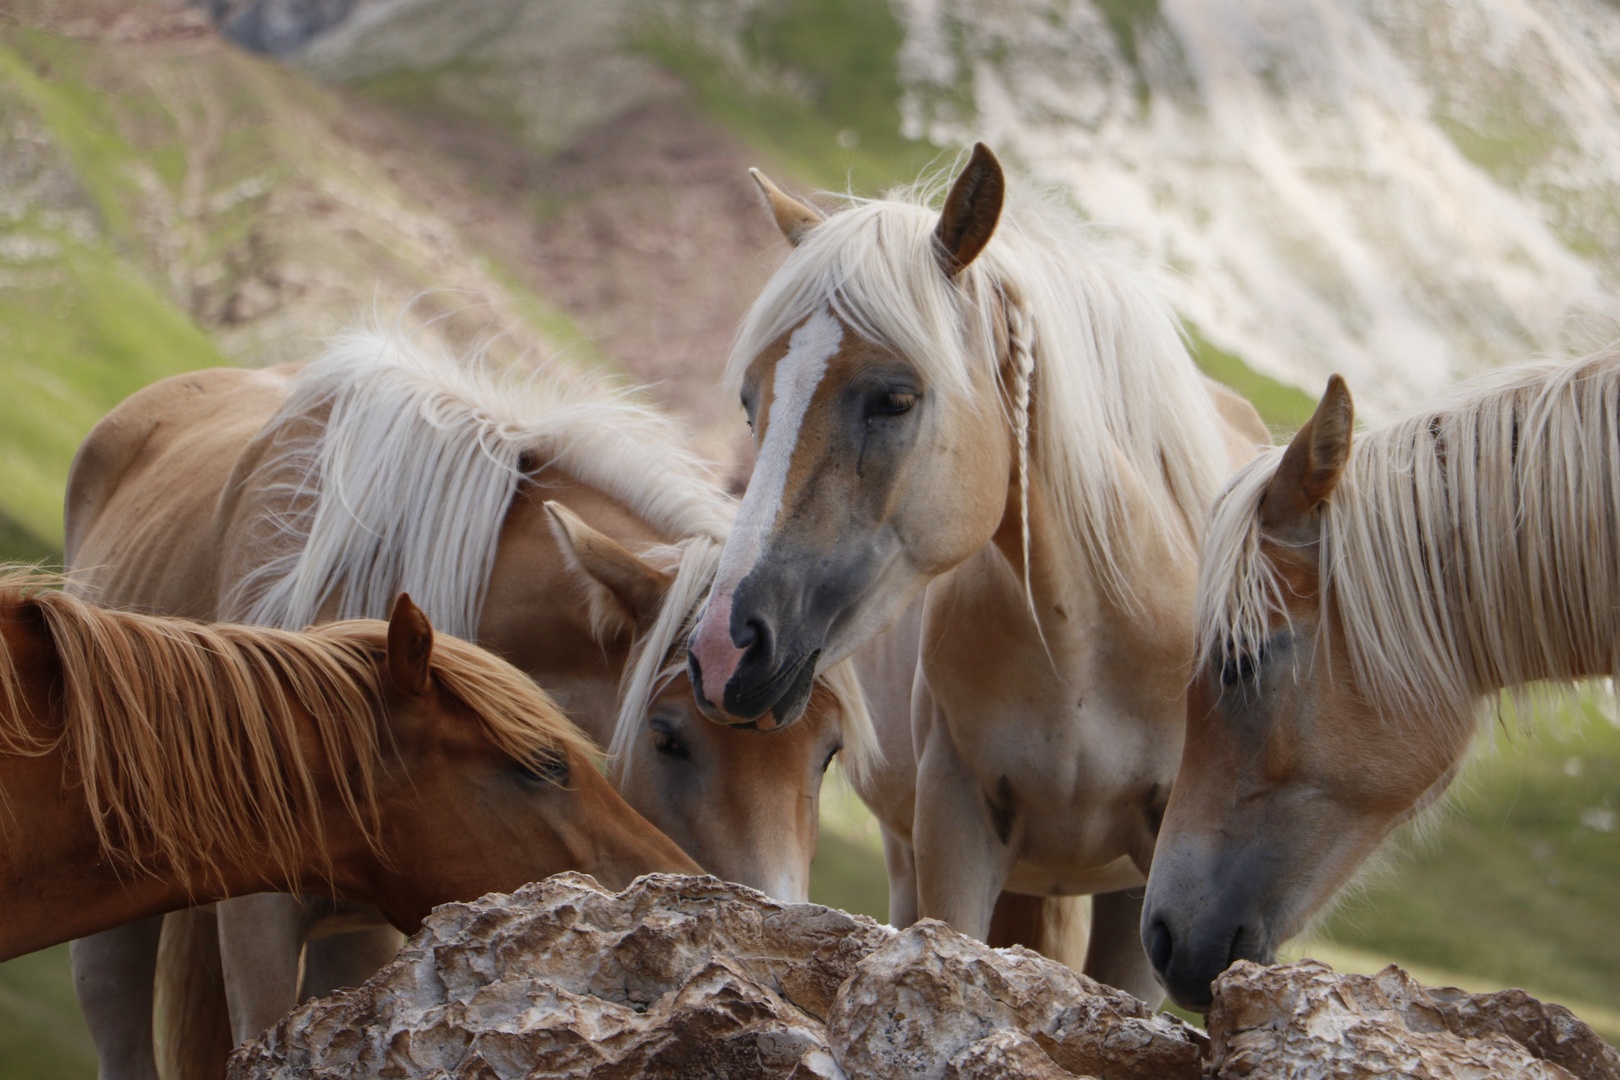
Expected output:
(1358, 608)
(977, 433)
(563, 528)
(150, 763)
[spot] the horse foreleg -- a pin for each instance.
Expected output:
(1115, 955)
(112, 975)
(260, 938)
(901, 863)
(963, 840)
(346, 959)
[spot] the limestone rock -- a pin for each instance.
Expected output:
(1005, 1054)
(931, 994)
(1303, 1020)
(674, 977)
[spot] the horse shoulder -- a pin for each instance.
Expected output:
(1245, 432)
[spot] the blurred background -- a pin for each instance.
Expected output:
(1404, 191)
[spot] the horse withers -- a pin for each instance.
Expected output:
(149, 763)
(979, 434)
(1357, 608)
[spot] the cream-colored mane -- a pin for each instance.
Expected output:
(1101, 377)
(1469, 546)
(399, 464)
(185, 737)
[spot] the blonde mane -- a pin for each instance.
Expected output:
(186, 737)
(1469, 547)
(399, 465)
(1101, 386)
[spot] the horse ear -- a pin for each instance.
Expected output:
(793, 217)
(971, 211)
(1312, 464)
(624, 589)
(410, 646)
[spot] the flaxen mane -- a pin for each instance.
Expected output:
(1100, 373)
(399, 465)
(1470, 545)
(185, 736)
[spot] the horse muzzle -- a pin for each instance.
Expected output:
(1194, 927)
(764, 700)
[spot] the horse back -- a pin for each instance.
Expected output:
(149, 494)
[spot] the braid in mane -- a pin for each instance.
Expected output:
(1021, 352)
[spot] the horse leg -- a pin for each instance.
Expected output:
(112, 975)
(901, 862)
(1115, 956)
(962, 838)
(346, 959)
(260, 939)
(191, 1027)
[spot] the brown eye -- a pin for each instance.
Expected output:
(665, 741)
(546, 767)
(893, 403)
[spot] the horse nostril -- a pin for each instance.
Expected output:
(1160, 946)
(755, 639)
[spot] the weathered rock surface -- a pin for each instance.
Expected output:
(930, 994)
(693, 977)
(674, 977)
(1303, 1020)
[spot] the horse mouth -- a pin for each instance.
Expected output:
(769, 704)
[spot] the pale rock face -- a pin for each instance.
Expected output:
(927, 1003)
(1303, 1020)
(693, 977)
(674, 977)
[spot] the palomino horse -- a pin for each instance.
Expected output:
(565, 531)
(150, 763)
(1356, 609)
(1004, 421)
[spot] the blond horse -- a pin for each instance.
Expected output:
(564, 529)
(1357, 608)
(148, 763)
(977, 408)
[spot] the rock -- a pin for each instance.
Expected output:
(920, 1005)
(674, 977)
(1302, 1019)
(1004, 1054)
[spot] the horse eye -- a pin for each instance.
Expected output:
(1235, 669)
(665, 741)
(546, 767)
(825, 765)
(893, 404)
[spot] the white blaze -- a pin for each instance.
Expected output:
(798, 374)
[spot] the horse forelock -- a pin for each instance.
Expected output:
(186, 737)
(407, 482)
(1467, 547)
(1109, 378)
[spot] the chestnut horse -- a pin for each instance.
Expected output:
(977, 406)
(562, 528)
(150, 763)
(1357, 608)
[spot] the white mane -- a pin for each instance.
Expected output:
(398, 466)
(1103, 369)
(1469, 547)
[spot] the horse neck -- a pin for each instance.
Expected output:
(1145, 596)
(56, 881)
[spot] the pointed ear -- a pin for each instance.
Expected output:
(624, 590)
(793, 217)
(410, 647)
(1312, 464)
(971, 211)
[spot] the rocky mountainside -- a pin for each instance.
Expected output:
(1406, 191)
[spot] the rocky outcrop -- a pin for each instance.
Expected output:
(930, 995)
(1302, 1019)
(688, 977)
